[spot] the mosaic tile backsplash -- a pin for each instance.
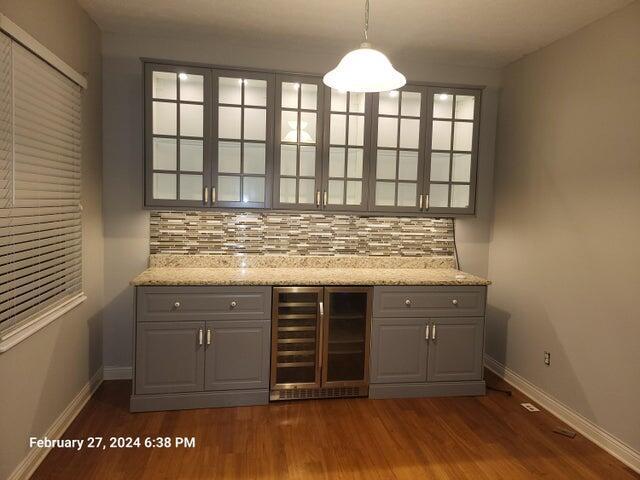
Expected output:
(231, 233)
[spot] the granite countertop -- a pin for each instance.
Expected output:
(294, 271)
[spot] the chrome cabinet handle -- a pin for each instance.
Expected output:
(318, 198)
(233, 304)
(426, 332)
(326, 197)
(321, 335)
(407, 302)
(433, 332)
(420, 201)
(206, 195)
(200, 337)
(213, 194)
(454, 301)
(208, 336)
(426, 202)
(176, 305)
(321, 309)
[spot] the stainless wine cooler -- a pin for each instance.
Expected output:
(320, 342)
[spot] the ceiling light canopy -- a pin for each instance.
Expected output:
(365, 69)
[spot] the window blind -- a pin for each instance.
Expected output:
(40, 219)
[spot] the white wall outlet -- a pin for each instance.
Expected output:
(547, 358)
(530, 406)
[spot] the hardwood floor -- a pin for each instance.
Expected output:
(490, 437)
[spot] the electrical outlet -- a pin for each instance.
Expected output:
(530, 406)
(547, 358)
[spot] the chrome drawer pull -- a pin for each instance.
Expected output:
(233, 304)
(433, 332)
(176, 305)
(426, 332)
(208, 336)
(200, 335)
(407, 302)
(454, 301)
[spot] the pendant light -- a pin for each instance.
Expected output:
(364, 69)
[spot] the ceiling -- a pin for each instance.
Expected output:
(489, 33)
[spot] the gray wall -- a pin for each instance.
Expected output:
(564, 254)
(127, 224)
(41, 375)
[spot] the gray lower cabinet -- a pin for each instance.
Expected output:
(416, 355)
(199, 347)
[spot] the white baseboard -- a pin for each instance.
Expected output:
(28, 465)
(623, 452)
(118, 373)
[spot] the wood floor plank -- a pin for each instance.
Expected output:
(489, 437)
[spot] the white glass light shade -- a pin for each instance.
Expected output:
(364, 70)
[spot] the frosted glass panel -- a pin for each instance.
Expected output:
(228, 189)
(461, 169)
(254, 158)
(387, 132)
(338, 129)
(288, 190)
(164, 118)
(438, 195)
(191, 88)
(465, 107)
(388, 103)
(191, 122)
(386, 165)
(289, 126)
(307, 161)
(306, 188)
(228, 122)
(255, 92)
(290, 94)
(354, 192)
(165, 85)
(229, 90)
(385, 194)
(229, 157)
(356, 103)
(411, 104)
(356, 130)
(460, 196)
(407, 195)
(441, 139)
(164, 186)
(255, 124)
(354, 163)
(440, 167)
(307, 127)
(336, 162)
(191, 154)
(164, 154)
(253, 189)
(288, 160)
(442, 105)
(408, 165)
(463, 136)
(336, 192)
(309, 96)
(190, 187)
(338, 101)
(409, 133)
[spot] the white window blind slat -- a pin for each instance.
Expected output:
(40, 227)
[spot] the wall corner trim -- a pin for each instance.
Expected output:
(605, 440)
(29, 42)
(34, 458)
(117, 373)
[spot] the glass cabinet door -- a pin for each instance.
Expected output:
(177, 116)
(295, 337)
(346, 336)
(452, 151)
(346, 152)
(398, 159)
(297, 152)
(242, 139)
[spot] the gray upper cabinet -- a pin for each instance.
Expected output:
(298, 142)
(237, 355)
(229, 138)
(455, 349)
(177, 142)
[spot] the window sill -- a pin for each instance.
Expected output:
(14, 336)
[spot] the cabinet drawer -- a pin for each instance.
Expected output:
(203, 303)
(438, 301)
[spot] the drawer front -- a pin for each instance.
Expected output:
(440, 301)
(203, 303)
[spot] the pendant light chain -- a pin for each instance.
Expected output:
(366, 20)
